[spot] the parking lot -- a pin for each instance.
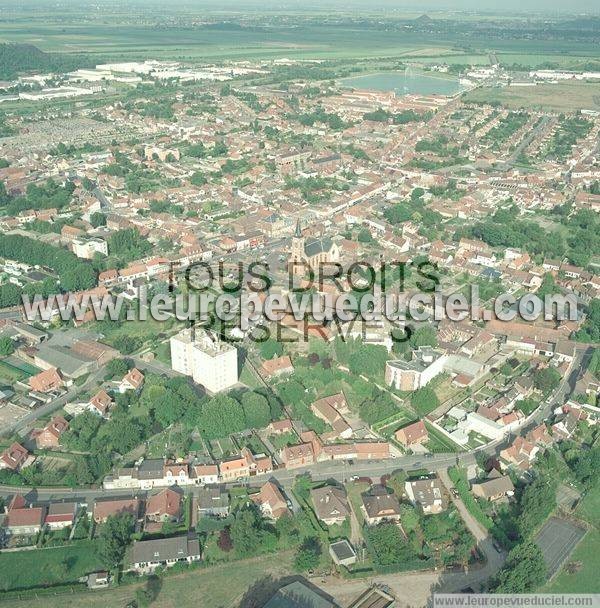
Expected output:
(556, 540)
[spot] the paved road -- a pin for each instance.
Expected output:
(319, 472)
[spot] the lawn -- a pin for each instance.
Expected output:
(248, 377)
(354, 491)
(10, 374)
(589, 507)
(439, 442)
(281, 441)
(25, 569)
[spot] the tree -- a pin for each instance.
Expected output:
(246, 531)
(537, 502)
(114, 538)
(368, 360)
(256, 410)
(590, 331)
(364, 236)
(378, 407)
(128, 244)
(127, 344)
(423, 336)
(546, 380)
(524, 570)
(308, 555)
(7, 346)
(221, 415)
(97, 219)
(224, 542)
(150, 593)
(424, 400)
(198, 179)
(118, 367)
(388, 545)
(587, 465)
(409, 518)
(270, 348)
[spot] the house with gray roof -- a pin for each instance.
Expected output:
(147, 555)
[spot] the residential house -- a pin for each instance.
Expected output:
(147, 555)
(258, 464)
(329, 409)
(271, 501)
(15, 458)
(520, 454)
(22, 519)
(330, 504)
(277, 366)
(412, 434)
(105, 508)
(61, 515)
(540, 436)
(299, 455)
(132, 381)
(279, 427)
(100, 403)
(380, 507)
(176, 473)
(47, 381)
(234, 468)
(166, 506)
(212, 501)
(427, 494)
(49, 436)
(205, 474)
(494, 489)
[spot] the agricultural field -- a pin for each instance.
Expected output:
(560, 97)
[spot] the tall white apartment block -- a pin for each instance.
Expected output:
(209, 362)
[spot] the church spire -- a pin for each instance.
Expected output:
(298, 233)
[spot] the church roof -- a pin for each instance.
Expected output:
(316, 246)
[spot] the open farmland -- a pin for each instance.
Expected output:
(562, 97)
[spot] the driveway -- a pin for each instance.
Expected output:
(493, 558)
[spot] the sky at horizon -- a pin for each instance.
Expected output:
(500, 7)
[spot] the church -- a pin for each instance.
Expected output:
(312, 252)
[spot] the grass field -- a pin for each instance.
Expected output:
(212, 587)
(25, 569)
(562, 97)
(589, 507)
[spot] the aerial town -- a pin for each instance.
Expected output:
(376, 461)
